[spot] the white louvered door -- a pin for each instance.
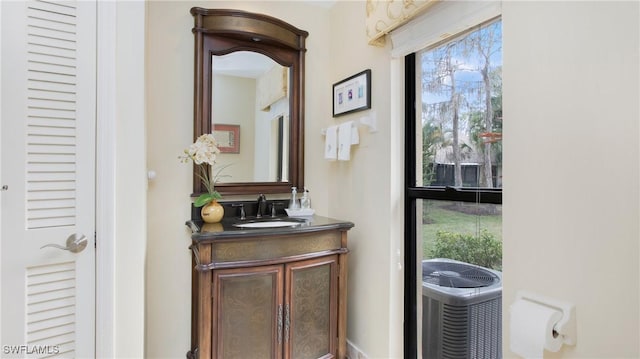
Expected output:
(47, 141)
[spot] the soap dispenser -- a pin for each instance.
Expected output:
(293, 203)
(305, 201)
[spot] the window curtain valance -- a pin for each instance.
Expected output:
(271, 87)
(383, 16)
(441, 21)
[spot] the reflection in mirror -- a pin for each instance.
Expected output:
(280, 148)
(250, 90)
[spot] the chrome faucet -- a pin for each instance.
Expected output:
(243, 216)
(262, 203)
(273, 208)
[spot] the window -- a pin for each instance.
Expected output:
(454, 161)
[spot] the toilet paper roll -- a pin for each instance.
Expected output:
(532, 329)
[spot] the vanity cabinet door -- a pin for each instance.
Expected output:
(310, 329)
(247, 313)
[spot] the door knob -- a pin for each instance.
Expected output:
(76, 243)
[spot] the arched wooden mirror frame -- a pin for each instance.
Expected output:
(223, 31)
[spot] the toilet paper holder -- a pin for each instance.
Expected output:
(566, 327)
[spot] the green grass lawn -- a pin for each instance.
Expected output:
(443, 216)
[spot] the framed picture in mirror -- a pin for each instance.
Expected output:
(227, 137)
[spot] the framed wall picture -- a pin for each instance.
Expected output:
(227, 137)
(352, 94)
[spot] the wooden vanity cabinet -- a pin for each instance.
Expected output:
(271, 297)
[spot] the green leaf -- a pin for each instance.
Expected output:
(203, 199)
(215, 195)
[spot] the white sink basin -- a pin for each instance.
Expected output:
(274, 224)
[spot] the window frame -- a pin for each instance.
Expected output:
(413, 193)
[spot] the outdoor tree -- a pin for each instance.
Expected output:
(433, 139)
(462, 90)
(441, 81)
(488, 43)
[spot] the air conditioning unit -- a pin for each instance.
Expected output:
(461, 310)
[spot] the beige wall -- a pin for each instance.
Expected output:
(365, 191)
(169, 131)
(571, 164)
(335, 51)
(129, 230)
(169, 74)
(571, 92)
(230, 109)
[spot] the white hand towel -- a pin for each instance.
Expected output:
(344, 141)
(331, 143)
(355, 136)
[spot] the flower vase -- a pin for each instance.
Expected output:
(212, 212)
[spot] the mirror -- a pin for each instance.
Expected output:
(248, 92)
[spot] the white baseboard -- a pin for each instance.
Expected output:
(353, 352)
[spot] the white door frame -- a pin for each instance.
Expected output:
(0, 160)
(105, 179)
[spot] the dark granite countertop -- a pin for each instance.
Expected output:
(228, 229)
